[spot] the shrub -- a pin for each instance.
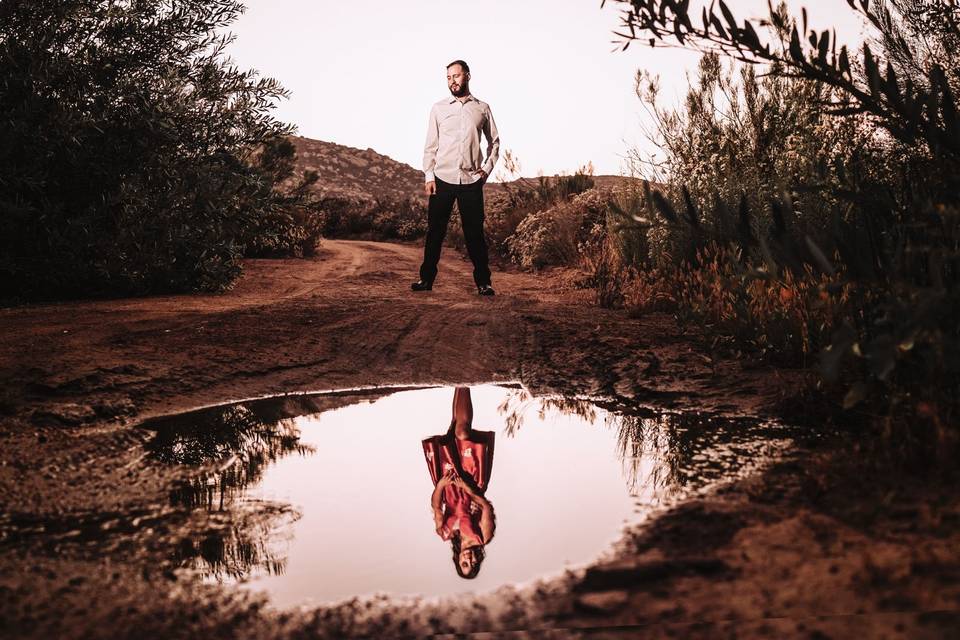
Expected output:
(129, 138)
(373, 219)
(556, 235)
(864, 214)
(605, 274)
(291, 220)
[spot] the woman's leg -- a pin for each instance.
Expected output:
(462, 412)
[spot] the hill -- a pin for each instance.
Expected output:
(367, 175)
(353, 173)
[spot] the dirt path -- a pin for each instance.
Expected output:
(77, 376)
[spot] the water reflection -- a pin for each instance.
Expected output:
(662, 454)
(324, 498)
(233, 552)
(460, 462)
(233, 445)
(233, 438)
(518, 403)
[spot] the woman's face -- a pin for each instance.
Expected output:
(467, 559)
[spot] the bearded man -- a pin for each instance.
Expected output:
(455, 171)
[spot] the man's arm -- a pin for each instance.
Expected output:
(493, 142)
(430, 146)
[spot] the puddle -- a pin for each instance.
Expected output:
(330, 495)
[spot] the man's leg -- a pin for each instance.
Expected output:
(438, 215)
(470, 200)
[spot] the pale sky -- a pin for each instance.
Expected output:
(364, 74)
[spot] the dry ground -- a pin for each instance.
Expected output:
(807, 549)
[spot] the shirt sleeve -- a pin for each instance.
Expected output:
(493, 142)
(430, 146)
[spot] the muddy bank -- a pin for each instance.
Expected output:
(87, 524)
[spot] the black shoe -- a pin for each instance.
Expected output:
(485, 290)
(420, 285)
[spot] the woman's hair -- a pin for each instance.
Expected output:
(478, 551)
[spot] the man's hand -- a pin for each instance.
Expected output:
(430, 188)
(482, 174)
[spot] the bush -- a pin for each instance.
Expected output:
(129, 144)
(556, 235)
(291, 220)
(862, 210)
(606, 274)
(506, 209)
(373, 219)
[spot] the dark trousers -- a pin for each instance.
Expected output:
(469, 197)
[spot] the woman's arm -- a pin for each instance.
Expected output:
(487, 523)
(436, 500)
(437, 495)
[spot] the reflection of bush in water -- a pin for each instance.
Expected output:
(518, 401)
(234, 551)
(661, 438)
(688, 450)
(234, 438)
(683, 449)
(238, 442)
(637, 437)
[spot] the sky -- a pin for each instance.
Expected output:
(364, 74)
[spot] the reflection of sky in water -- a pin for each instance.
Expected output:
(566, 477)
(364, 495)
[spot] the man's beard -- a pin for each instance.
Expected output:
(462, 91)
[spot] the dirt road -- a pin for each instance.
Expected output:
(79, 376)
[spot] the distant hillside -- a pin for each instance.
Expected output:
(368, 175)
(365, 175)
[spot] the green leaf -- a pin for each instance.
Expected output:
(728, 16)
(844, 60)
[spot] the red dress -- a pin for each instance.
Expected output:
(476, 459)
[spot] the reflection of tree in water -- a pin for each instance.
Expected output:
(519, 401)
(234, 440)
(236, 551)
(658, 451)
(664, 441)
(233, 445)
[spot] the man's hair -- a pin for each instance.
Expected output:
(462, 64)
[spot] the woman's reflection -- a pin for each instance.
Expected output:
(460, 461)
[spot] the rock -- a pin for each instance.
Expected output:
(68, 413)
(602, 603)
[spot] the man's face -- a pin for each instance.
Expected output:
(458, 81)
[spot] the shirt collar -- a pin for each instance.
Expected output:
(469, 98)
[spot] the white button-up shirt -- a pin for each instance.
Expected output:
(452, 151)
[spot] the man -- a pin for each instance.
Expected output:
(455, 171)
